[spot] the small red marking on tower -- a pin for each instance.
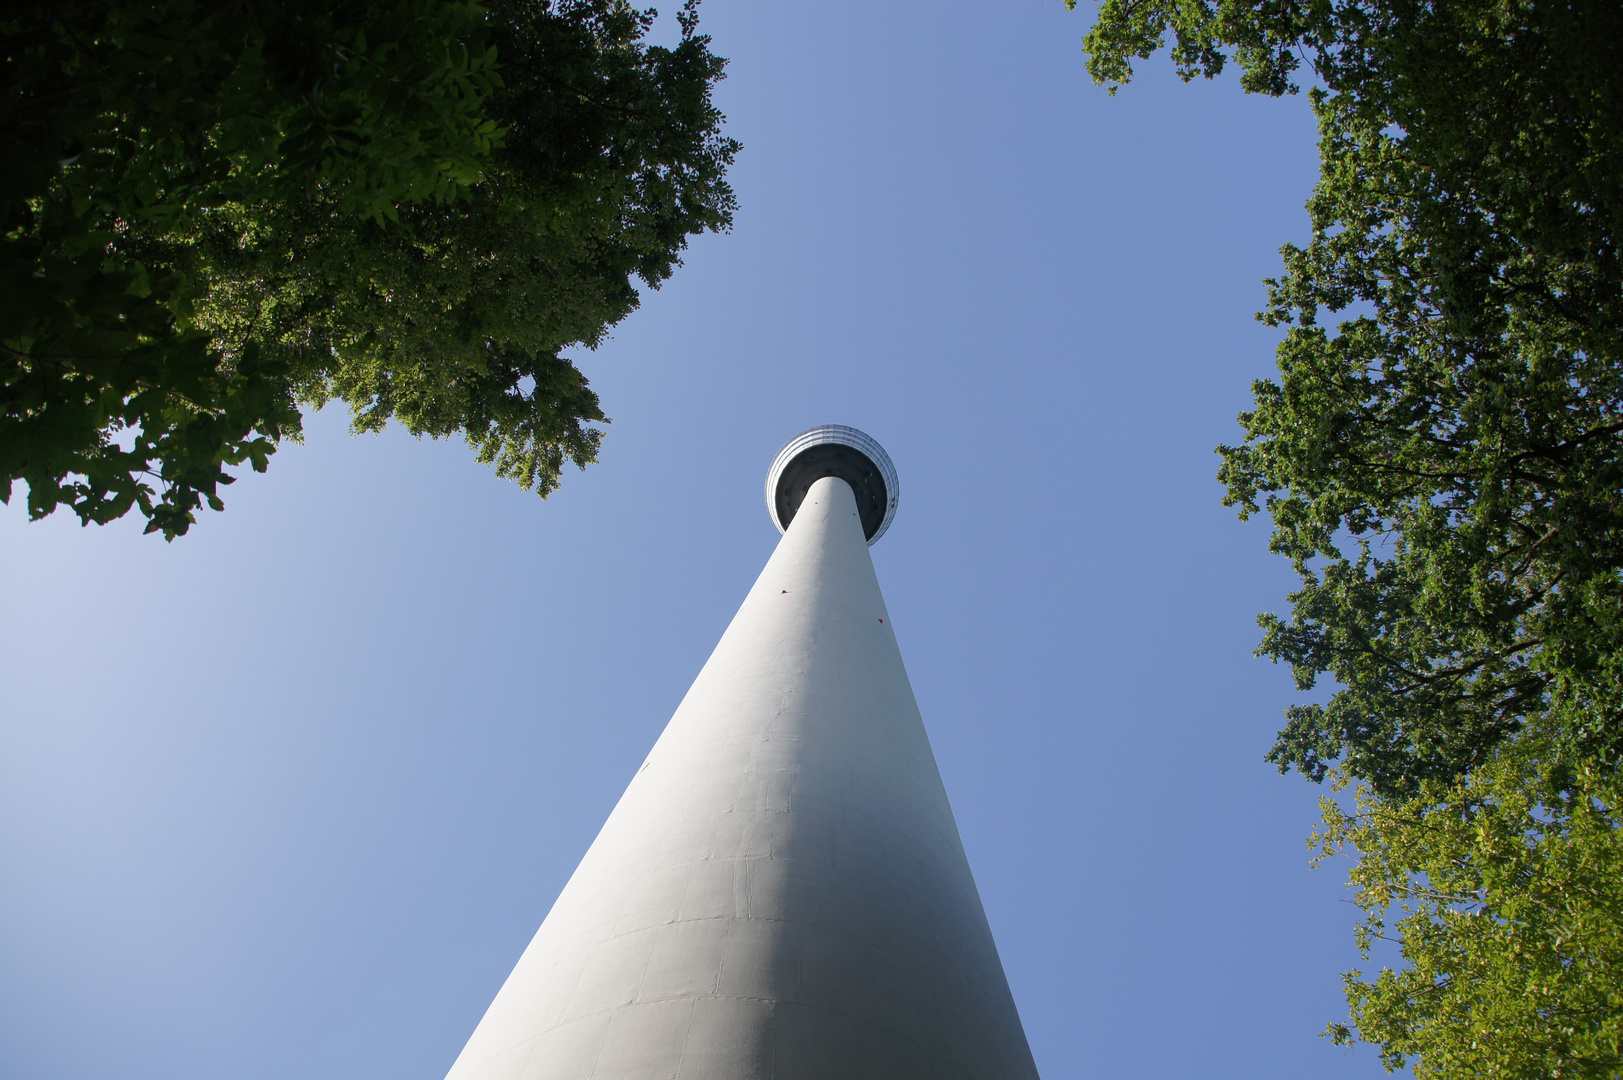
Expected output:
(881, 620)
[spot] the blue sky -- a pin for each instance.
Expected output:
(286, 799)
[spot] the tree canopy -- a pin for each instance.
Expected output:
(219, 214)
(1444, 467)
(1503, 894)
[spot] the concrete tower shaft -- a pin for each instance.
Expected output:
(781, 891)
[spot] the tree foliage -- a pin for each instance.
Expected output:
(229, 211)
(1503, 895)
(1442, 460)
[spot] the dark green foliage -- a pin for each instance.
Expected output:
(228, 211)
(138, 117)
(1444, 468)
(610, 160)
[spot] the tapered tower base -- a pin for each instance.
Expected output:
(781, 892)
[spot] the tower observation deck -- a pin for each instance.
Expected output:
(781, 892)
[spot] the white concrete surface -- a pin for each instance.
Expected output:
(781, 892)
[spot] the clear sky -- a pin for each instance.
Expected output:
(287, 798)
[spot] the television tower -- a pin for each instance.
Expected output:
(781, 893)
